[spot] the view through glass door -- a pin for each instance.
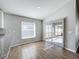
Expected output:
(55, 33)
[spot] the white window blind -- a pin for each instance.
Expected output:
(28, 30)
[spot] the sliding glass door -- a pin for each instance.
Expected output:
(58, 34)
(54, 32)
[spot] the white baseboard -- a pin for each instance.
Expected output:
(8, 53)
(24, 43)
(74, 51)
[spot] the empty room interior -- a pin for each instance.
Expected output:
(39, 29)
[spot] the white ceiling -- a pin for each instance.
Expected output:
(38, 9)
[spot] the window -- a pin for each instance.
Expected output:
(28, 30)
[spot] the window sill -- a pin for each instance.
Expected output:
(28, 37)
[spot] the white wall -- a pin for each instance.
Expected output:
(68, 11)
(12, 25)
(1, 33)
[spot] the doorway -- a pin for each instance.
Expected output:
(55, 32)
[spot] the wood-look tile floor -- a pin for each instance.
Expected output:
(41, 50)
